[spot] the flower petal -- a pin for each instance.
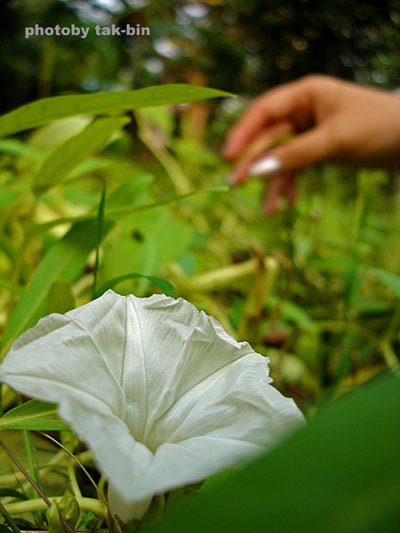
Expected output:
(159, 391)
(181, 347)
(230, 416)
(76, 361)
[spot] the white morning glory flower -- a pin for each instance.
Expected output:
(159, 391)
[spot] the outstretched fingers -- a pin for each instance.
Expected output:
(278, 105)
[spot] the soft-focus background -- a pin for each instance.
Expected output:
(315, 287)
(244, 46)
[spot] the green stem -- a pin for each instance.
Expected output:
(394, 323)
(59, 459)
(389, 355)
(340, 326)
(177, 176)
(31, 466)
(34, 485)
(90, 505)
(29, 454)
(40, 228)
(27, 476)
(8, 519)
(72, 479)
(215, 279)
(385, 346)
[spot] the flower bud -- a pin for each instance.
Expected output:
(66, 507)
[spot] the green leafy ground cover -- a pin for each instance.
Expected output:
(111, 190)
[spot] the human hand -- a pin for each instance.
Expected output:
(332, 120)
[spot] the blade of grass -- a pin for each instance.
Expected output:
(8, 519)
(58, 165)
(40, 228)
(32, 469)
(100, 221)
(57, 462)
(391, 280)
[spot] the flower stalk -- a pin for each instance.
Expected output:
(89, 505)
(225, 276)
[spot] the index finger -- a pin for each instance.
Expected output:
(273, 106)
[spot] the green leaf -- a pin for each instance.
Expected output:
(61, 298)
(392, 281)
(65, 260)
(341, 473)
(17, 147)
(91, 164)
(17, 494)
(7, 197)
(66, 507)
(8, 520)
(74, 151)
(88, 521)
(34, 415)
(166, 287)
(57, 107)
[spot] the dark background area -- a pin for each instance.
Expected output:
(244, 46)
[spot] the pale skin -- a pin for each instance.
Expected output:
(331, 120)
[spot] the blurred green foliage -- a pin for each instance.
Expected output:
(315, 287)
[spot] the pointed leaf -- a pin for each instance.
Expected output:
(166, 287)
(74, 151)
(57, 107)
(34, 415)
(61, 298)
(65, 260)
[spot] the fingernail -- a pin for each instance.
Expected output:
(265, 165)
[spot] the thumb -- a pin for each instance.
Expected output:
(305, 149)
